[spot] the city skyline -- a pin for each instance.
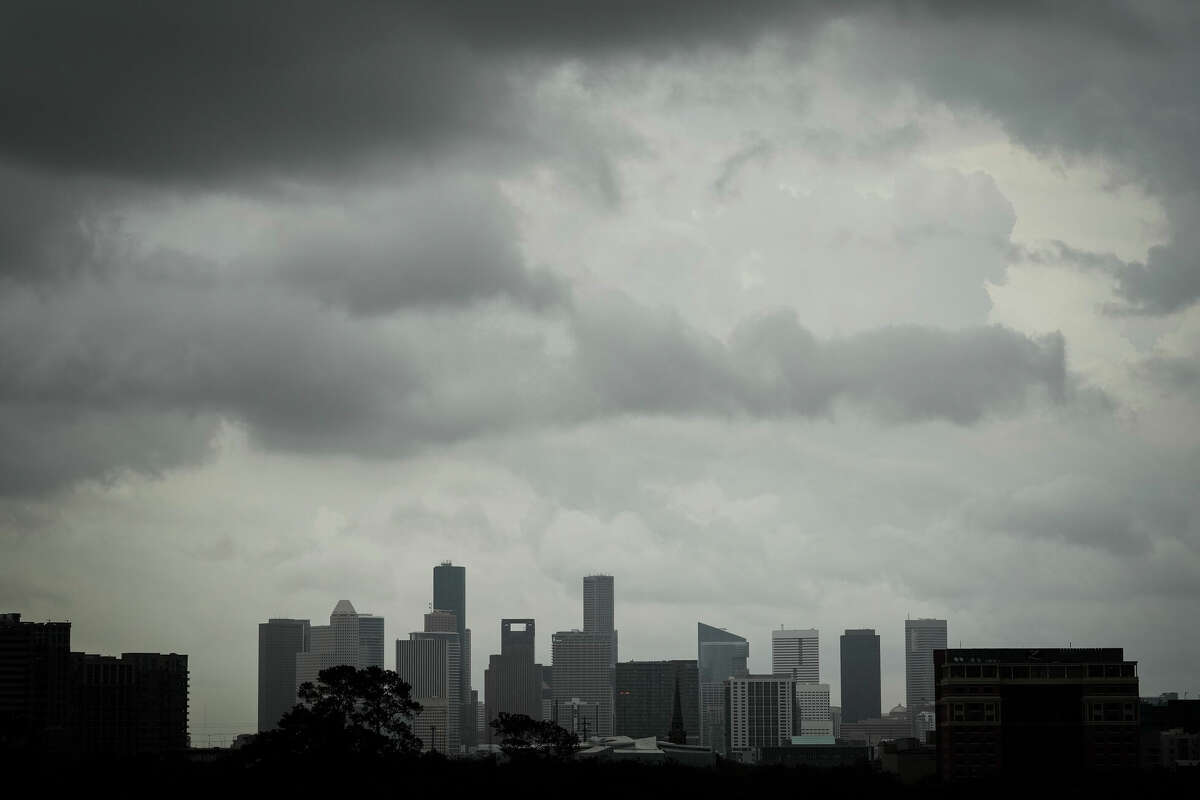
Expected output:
(815, 313)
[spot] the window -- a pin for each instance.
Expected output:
(959, 713)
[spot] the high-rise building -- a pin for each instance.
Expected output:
(921, 638)
(813, 714)
(644, 702)
(760, 711)
(547, 692)
(512, 682)
(583, 674)
(429, 662)
(598, 604)
(34, 683)
(279, 640)
(350, 639)
(719, 655)
(441, 621)
(450, 594)
(796, 653)
(861, 688)
(1035, 711)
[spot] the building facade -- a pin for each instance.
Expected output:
(760, 712)
(350, 639)
(796, 653)
(921, 638)
(450, 594)
(34, 684)
(861, 681)
(279, 640)
(644, 700)
(429, 662)
(719, 655)
(1035, 711)
(583, 665)
(513, 682)
(813, 714)
(599, 604)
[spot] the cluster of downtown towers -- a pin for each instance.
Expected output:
(585, 689)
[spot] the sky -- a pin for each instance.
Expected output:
(804, 314)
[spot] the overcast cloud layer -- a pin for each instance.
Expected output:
(814, 314)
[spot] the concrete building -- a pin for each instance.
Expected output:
(35, 683)
(547, 692)
(921, 638)
(861, 684)
(719, 655)
(583, 680)
(1035, 711)
(450, 594)
(813, 714)
(760, 712)
(599, 604)
(350, 638)
(896, 724)
(512, 682)
(644, 701)
(835, 717)
(429, 661)
(279, 640)
(796, 653)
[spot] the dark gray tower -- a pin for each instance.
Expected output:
(513, 682)
(279, 640)
(860, 675)
(450, 594)
(598, 604)
(517, 638)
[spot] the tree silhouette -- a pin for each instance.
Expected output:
(522, 736)
(350, 712)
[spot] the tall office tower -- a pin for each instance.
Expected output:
(429, 661)
(279, 640)
(131, 705)
(512, 682)
(598, 604)
(921, 638)
(644, 702)
(813, 714)
(34, 683)
(350, 638)
(860, 675)
(796, 653)
(583, 679)
(547, 692)
(760, 710)
(719, 655)
(450, 594)
(1035, 712)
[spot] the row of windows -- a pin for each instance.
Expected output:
(1039, 671)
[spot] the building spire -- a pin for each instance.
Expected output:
(677, 734)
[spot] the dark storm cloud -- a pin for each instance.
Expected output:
(638, 360)
(437, 245)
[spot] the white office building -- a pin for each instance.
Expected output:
(429, 661)
(921, 638)
(795, 653)
(583, 674)
(350, 639)
(813, 711)
(761, 711)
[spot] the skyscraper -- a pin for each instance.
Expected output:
(429, 661)
(646, 692)
(760, 710)
(598, 604)
(921, 638)
(279, 640)
(583, 680)
(719, 655)
(860, 675)
(513, 682)
(350, 638)
(796, 653)
(450, 594)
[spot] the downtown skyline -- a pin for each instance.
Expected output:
(804, 314)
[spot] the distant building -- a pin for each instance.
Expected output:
(441, 621)
(719, 655)
(1168, 726)
(512, 682)
(350, 639)
(921, 638)
(450, 594)
(813, 714)
(861, 687)
(429, 661)
(760, 712)
(547, 673)
(599, 604)
(645, 699)
(583, 677)
(1035, 711)
(796, 653)
(279, 640)
(835, 717)
(896, 724)
(53, 700)
(821, 756)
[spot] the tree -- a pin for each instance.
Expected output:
(349, 712)
(523, 736)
